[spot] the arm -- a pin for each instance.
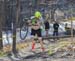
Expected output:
(29, 22)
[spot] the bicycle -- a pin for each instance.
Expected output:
(24, 29)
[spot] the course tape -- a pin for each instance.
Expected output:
(6, 37)
(44, 37)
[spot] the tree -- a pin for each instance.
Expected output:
(1, 22)
(71, 1)
(15, 26)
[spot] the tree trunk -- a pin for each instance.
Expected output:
(14, 27)
(1, 22)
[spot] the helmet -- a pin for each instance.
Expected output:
(37, 14)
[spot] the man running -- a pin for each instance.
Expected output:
(36, 30)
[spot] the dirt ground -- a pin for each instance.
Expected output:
(59, 46)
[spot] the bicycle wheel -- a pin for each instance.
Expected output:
(23, 31)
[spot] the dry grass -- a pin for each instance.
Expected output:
(62, 45)
(19, 46)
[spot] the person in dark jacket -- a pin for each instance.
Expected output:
(46, 23)
(46, 27)
(55, 27)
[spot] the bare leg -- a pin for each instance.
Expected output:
(46, 32)
(41, 43)
(33, 44)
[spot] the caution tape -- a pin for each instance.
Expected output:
(44, 37)
(7, 37)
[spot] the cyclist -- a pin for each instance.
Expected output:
(36, 30)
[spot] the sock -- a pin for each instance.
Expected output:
(43, 49)
(33, 45)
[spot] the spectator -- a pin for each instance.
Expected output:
(46, 23)
(55, 26)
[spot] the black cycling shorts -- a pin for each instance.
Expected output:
(34, 32)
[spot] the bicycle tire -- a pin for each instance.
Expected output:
(23, 36)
